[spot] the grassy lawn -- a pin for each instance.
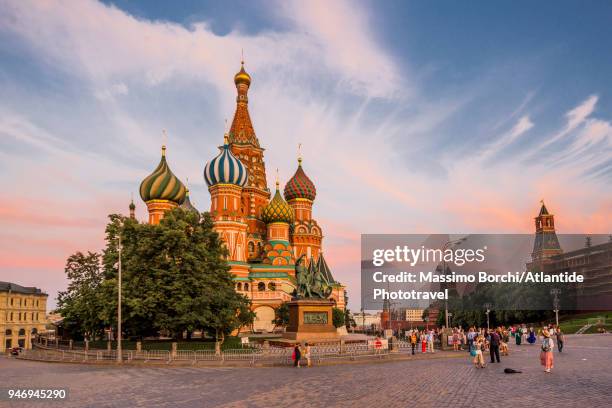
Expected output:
(571, 324)
(229, 343)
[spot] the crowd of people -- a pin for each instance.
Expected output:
(494, 342)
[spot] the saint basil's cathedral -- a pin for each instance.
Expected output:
(265, 237)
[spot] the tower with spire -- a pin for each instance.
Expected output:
(546, 243)
(245, 146)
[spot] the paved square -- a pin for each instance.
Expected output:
(581, 377)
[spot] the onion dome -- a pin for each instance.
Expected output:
(277, 210)
(162, 184)
(225, 168)
(242, 77)
(300, 186)
(187, 206)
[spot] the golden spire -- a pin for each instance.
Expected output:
(277, 183)
(225, 135)
(242, 77)
(299, 154)
(164, 141)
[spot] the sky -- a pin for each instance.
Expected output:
(414, 117)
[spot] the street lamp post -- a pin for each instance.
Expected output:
(444, 248)
(119, 351)
(488, 307)
(556, 292)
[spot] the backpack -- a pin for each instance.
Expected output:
(473, 351)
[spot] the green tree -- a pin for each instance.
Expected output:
(80, 304)
(281, 315)
(338, 318)
(349, 321)
(175, 278)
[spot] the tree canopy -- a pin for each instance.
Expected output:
(174, 279)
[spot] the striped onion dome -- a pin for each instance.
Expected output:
(162, 184)
(225, 168)
(300, 186)
(277, 210)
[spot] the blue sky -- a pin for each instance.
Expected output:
(415, 117)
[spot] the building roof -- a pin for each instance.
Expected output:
(15, 288)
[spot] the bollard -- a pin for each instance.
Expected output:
(138, 346)
(70, 344)
(108, 346)
(86, 345)
(174, 347)
(342, 346)
(217, 348)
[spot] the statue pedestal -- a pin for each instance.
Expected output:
(311, 320)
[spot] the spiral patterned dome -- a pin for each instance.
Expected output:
(277, 210)
(162, 184)
(225, 168)
(300, 186)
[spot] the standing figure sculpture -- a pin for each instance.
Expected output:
(310, 281)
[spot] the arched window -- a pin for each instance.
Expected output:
(259, 247)
(35, 331)
(239, 286)
(272, 286)
(246, 286)
(22, 332)
(251, 247)
(261, 286)
(8, 332)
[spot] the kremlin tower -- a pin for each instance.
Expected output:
(546, 243)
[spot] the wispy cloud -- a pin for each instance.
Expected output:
(325, 81)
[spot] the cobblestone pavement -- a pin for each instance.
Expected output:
(581, 377)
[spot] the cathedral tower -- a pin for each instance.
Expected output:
(161, 190)
(278, 216)
(300, 193)
(245, 146)
(226, 177)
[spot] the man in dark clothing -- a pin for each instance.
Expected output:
(494, 346)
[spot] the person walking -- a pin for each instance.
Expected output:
(546, 355)
(470, 338)
(423, 342)
(494, 346)
(455, 340)
(307, 355)
(560, 339)
(413, 341)
(430, 341)
(477, 352)
(297, 355)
